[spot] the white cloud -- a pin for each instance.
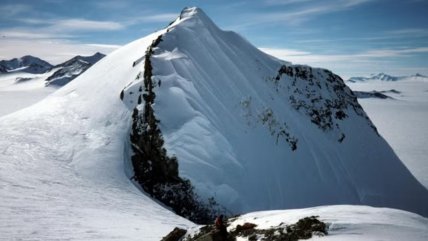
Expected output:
(285, 2)
(20, 33)
(53, 51)
(160, 17)
(303, 12)
(57, 28)
(304, 57)
(76, 24)
(351, 3)
(152, 18)
(408, 32)
(12, 10)
(348, 65)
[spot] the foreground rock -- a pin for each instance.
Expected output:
(305, 228)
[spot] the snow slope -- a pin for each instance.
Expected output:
(402, 121)
(62, 164)
(231, 113)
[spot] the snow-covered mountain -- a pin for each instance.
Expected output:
(387, 77)
(245, 128)
(254, 132)
(28, 64)
(72, 68)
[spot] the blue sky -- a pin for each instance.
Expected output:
(350, 37)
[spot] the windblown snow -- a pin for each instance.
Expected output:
(63, 160)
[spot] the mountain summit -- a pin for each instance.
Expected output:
(254, 132)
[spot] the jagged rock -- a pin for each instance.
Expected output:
(175, 235)
(305, 228)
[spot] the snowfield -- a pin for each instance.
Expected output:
(402, 121)
(63, 160)
(19, 90)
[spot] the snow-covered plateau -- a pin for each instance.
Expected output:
(401, 119)
(254, 132)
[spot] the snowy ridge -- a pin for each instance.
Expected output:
(227, 113)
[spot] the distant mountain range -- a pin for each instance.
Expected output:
(385, 77)
(61, 73)
(27, 64)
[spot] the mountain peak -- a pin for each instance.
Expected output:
(191, 12)
(27, 63)
(195, 17)
(72, 68)
(231, 115)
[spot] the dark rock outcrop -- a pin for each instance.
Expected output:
(175, 235)
(155, 171)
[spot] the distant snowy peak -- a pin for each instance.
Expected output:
(72, 68)
(58, 75)
(387, 77)
(28, 64)
(85, 59)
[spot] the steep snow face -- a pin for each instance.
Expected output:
(258, 133)
(26, 63)
(62, 163)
